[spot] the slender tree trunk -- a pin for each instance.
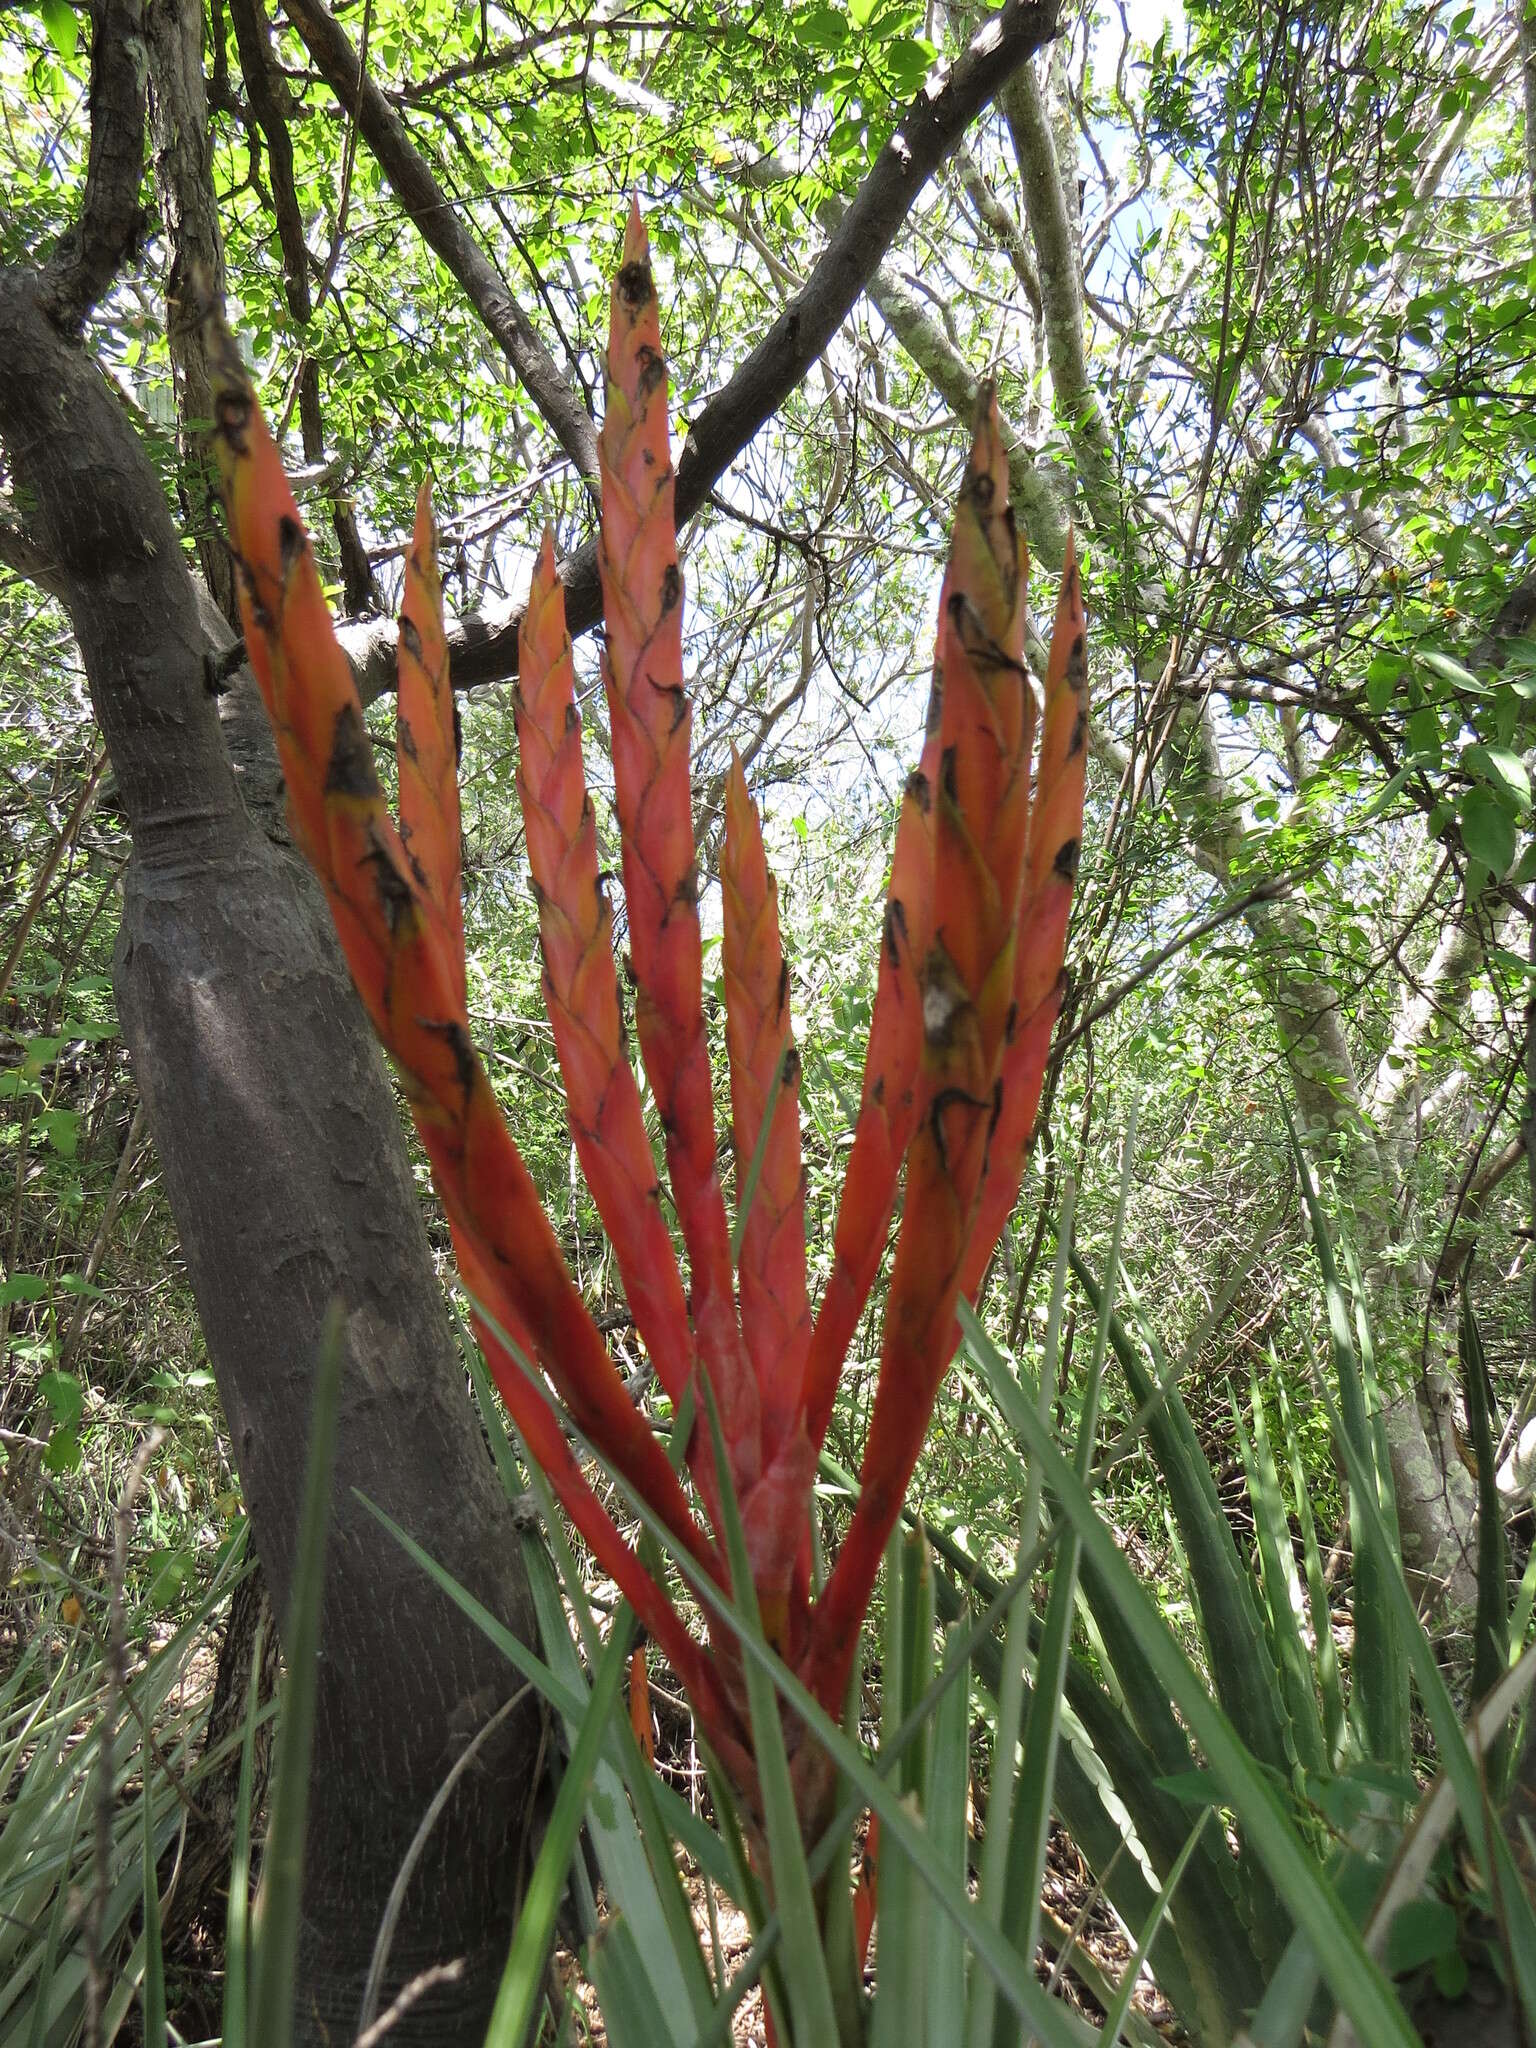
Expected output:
(290, 1184)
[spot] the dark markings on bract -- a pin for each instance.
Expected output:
(290, 542)
(391, 887)
(671, 587)
(653, 367)
(688, 889)
(895, 928)
(264, 619)
(877, 1093)
(1065, 863)
(919, 791)
(458, 735)
(792, 1067)
(410, 639)
(935, 715)
(635, 285)
(460, 1045)
(1079, 737)
(405, 739)
(947, 775)
(572, 718)
(232, 415)
(946, 1099)
(1077, 665)
(783, 1001)
(997, 1107)
(350, 770)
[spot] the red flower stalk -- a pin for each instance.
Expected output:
(969, 987)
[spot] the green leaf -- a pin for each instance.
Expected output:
(171, 1572)
(65, 1397)
(1487, 830)
(24, 1287)
(1421, 1931)
(1503, 769)
(821, 28)
(63, 30)
(1449, 671)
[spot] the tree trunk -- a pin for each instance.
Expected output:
(290, 1183)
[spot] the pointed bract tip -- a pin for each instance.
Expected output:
(989, 455)
(424, 515)
(546, 562)
(637, 246)
(1069, 559)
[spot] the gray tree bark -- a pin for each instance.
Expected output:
(290, 1184)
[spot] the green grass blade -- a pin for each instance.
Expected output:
(1325, 1657)
(1281, 1586)
(1355, 1979)
(1379, 1670)
(1490, 1631)
(275, 1931)
(1236, 1650)
(238, 1912)
(1114, 2019)
(949, 1777)
(626, 1988)
(153, 1987)
(643, 1891)
(522, 1980)
(1010, 1688)
(1037, 1772)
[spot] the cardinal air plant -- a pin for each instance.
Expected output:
(969, 987)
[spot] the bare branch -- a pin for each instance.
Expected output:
(90, 254)
(440, 227)
(1056, 247)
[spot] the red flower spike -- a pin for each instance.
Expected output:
(650, 723)
(580, 983)
(967, 977)
(1055, 829)
(426, 741)
(396, 948)
(775, 1307)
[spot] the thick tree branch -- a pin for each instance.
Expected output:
(1051, 224)
(90, 254)
(183, 161)
(440, 227)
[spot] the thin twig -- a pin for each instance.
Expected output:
(429, 1979)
